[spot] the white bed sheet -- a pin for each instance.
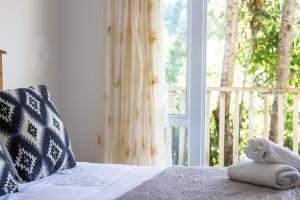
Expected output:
(86, 181)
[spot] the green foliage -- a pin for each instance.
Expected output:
(263, 26)
(176, 25)
(256, 60)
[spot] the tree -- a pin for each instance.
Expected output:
(257, 58)
(231, 29)
(176, 27)
(283, 60)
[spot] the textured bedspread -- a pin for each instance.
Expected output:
(203, 183)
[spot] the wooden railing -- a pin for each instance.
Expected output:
(236, 92)
(250, 97)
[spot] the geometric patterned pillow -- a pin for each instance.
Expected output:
(33, 135)
(8, 183)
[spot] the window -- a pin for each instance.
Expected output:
(185, 34)
(176, 76)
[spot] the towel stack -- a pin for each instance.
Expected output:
(270, 165)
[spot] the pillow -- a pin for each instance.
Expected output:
(33, 134)
(8, 184)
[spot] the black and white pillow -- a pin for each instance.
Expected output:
(8, 183)
(33, 133)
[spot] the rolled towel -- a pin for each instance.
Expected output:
(265, 151)
(276, 176)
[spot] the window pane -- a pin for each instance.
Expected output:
(176, 54)
(179, 137)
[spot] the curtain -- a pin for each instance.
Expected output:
(134, 101)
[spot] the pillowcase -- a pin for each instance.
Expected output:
(33, 134)
(8, 183)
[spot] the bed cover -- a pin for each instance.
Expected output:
(86, 181)
(89, 181)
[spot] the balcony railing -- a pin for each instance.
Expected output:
(177, 132)
(255, 98)
(265, 92)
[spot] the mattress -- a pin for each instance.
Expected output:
(86, 181)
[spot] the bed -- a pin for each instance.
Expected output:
(111, 181)
(34, 157)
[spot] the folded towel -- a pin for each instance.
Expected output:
(265, 151)
(276, 176)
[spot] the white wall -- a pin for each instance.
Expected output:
(29, 34)
(82, 43)
(59, 43)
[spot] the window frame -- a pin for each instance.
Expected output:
(194, 119)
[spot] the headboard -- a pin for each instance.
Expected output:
(1, 74)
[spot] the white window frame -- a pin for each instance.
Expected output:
(197, 79)
(194, 120)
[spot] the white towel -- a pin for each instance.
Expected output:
(276, 176)
(265, 151)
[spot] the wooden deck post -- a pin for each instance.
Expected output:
(266, 116)
(295, 123)
(1, 77)
(207, 129)
(222, 129)
(280, 124)
(251, 115)
(236, 128)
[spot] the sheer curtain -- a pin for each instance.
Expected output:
(135, 114)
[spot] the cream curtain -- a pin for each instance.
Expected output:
(135, 117)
